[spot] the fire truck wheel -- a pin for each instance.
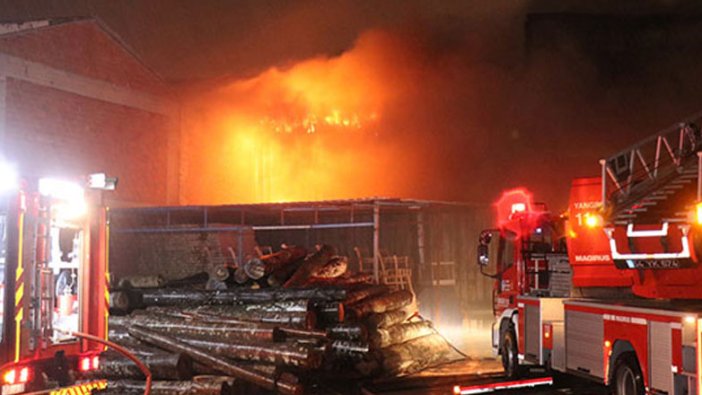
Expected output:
(628, 379)
(509, 352)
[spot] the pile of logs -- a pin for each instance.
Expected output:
(291, 318)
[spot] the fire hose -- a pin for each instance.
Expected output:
(121, 350)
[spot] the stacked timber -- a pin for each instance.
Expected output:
(288, 318)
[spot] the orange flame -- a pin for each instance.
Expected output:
(309, 132)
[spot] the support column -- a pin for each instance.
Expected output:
(376, 242)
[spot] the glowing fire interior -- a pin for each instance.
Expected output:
(309, 132)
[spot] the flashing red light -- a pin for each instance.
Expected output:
(88, 363)
(10, 376)
(84, 365)
(17, 376)
(24, 375)
(518, 208)
(514, 201)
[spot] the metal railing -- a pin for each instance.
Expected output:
(638, 169)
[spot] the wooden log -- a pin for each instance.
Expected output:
(197, 279)
(240, 276)
(206, 331)
(200, 387)
(292, 313)
(262, 368)
(219, 272)
(343, 281)
(163, 366)
(295, 333)
(140, 298)
(134, 346)
(354, 331)
(330, 313)
(417, 354)
(309, 266)
(258, 268)
(224, 366)
(381, 304)
(366, 292)
(385, 337)
(350, 350)
(335, 268)
(287, 353)
(297, 305)
(387, 319)
(279, 276)
(141, 282)
(123, 302)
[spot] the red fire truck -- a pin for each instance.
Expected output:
(53, 240)
(611, 290)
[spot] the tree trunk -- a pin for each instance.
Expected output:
(288, 353)
(200, 387)
(360, 294)
(163, 366)
(387, 319)
(224, 366)
(343, 281)
(349, 350)
(415, 355)
(258, 268)
(309, 266)
(303, 333)
(330, 313)
(132, 299)
(206, 330)
(350, 331)
(197, 279)
(336, 267)
(385, 337)
(381, 304)
(283, 313)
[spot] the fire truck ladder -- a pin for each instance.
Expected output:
(653, 181)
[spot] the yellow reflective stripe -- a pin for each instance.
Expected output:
(81, 389)
(18, 333)
(19, 294)
(19, 291)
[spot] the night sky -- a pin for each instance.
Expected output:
(502, 94)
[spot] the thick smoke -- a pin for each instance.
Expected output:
(446, 108)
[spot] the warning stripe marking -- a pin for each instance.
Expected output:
(19, 287)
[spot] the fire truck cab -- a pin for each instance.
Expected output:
(609, 290)
(53, 237)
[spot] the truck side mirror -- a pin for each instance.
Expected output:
(483, 255)
(486, 259)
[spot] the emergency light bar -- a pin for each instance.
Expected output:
(505, 385)
(518, 208)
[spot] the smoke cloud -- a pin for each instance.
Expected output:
(443, 108)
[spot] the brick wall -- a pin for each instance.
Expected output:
(84, 48)
(72, 129)
(51, 132)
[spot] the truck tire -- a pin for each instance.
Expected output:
(628, 379)
(510, 352)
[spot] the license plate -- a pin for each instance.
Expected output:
(11, 389)
(80, 389)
